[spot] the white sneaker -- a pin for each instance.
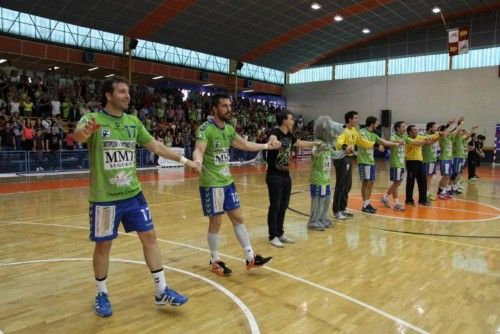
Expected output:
(276, 242)
(286, 239)
(340, 216)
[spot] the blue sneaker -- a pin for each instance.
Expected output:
(102, 306)
(171, 297)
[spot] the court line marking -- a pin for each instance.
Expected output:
(277, 271)
(246, 311)
(432, 220)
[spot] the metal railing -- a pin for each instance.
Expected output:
(75, 160)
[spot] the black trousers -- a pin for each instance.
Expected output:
(415, 170)
(279, 188)
(343, 183)
(471, 166)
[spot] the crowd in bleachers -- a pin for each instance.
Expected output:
(38, 111)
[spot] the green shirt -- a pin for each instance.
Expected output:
(446, 146)
(321, 165)
(458, 147)
(215, 171)
(111, 148)
(430, 151)
(397, 156)
(365, 155)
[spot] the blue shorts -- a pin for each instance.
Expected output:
(105, 217)
(320, 191)
(396, 174)
(458, 165)
(430, 168)
(216, 201)
(446, 167)
(367, 172)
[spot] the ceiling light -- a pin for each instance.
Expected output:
(315, 5)
(436, 10)
(158, 77)
(366, 31)
(338, 18)
(247, 91)
(2, 61)
(109, 75)
(93, 69)
(56, 67)
(208, 85)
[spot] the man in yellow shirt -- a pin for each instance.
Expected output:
(343, 167)
(415, 170)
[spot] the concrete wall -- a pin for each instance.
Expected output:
(414, 98)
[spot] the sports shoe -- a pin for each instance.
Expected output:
(276, 242)
(171, 297)
(327, 223)
(428, 203)
(102, 306)
(220, 268)
(286, 239)
(385, 202)
(431, 197)
(399, 207)
(410, 203)
(369, 209)
(347, 214)
(442, 196)
(258, 261)
(450, 193)
(316, 226)
(340, 216)
(457, 192)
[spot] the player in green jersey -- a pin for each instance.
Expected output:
(366, 161)
(217, 191)
(115, 192)
(446, 157)
(459, 156)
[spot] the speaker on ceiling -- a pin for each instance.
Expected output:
(386, 118)
(133, 43)
(88, 57)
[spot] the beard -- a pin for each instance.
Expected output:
(224, 116)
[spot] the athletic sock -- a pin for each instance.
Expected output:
(159, 280)
(213, 241)
(241, 233)
(101, 285)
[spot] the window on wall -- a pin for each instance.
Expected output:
(315, 74)
(262, 73)
(175, 55)
(360, 70)
(429, 63)
(477, 58)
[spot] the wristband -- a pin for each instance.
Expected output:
(183, 160)
(266, 146)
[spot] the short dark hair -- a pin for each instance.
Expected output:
(214, 101)
(108, 87)
(282, 116)
(349, 115)
(409, 128)
(397, 125)
(371, 120)
(429, 125)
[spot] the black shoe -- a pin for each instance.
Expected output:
(258, 261)
(372, 208)
(428, 203)
(220, 268)
(368, 209)
(410, 203)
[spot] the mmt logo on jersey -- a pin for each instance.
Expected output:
(106, 133)
(115, 159)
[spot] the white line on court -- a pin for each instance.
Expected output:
(293, 277)
(246, 311)
(429, 220)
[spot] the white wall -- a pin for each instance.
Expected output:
(414, 98)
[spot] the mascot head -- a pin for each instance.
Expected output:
(326, 130)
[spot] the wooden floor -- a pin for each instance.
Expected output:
(433, 270)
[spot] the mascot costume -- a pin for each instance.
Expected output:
(327, 131)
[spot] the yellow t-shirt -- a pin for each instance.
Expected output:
(414, 152)
(351, 138)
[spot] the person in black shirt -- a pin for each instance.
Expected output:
(55, 144)
(7, 142)
(279, 183)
